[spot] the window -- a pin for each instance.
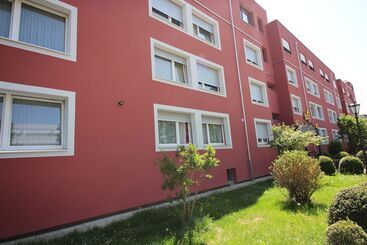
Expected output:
(260, 24)
(247, 16)
(213, 131)
(326, 77)
(303, 59)
(338, 103)
(208, 78)
(47, 27)
(329, 97)
(169, 66)
(203, 29)
(258, 92)
(296, 104)
(253, 55)
(263, 132)
(323, 132)
(333, 117)
(312, 87)
(35, 121)
(286, 45)
(335, 134)
(177, 67)
(322, 73)
(317, 111)
(169, 11)
(310, 64)
(334, 84)
(292, 76)
(176, 126)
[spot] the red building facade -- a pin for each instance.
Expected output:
(86, 113)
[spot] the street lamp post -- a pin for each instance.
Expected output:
(355, 109)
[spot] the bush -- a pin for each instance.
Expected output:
(298, 173)
(351, 165)
(350, 204)
(360, 155)
(327, 165)
(346, 232)
(341, 154)
(325, 154)
(335, 147)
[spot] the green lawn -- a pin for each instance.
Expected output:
(257, 214)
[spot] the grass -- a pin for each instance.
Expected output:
(257, 214)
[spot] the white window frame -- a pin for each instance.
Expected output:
(311, 84)
(67, 98)
(318, 116)
(295, 76)
(303, 58)
(329, 98)
(326, 141)
(331, 114)
(196, 124)
(207, 122)
(286, 45)
(258, 51)
(310, 64)
(322, 74)
(326, 77)
(187, 13)
(269, 124)
(263, 89)
(191, 68)
(299, 103)
(55, 7)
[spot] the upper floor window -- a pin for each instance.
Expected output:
(326, 77)
(292, 76)
(323, 132)
(258, 92)
(310, 64)
(263, 132)
(169, 11)
(286, 45)
(322, 73)
(177, 67)
(203, 29)
(312, 87)
(333, 117)
(303, 58)
(338, 103)
(329, 97)
(296, 104)
(316, 111)
(253, 55)
(247, 16)
(213, 131)
(48, 27)
(35, 121)
(169, 66)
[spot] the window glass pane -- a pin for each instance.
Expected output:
(257, 93)
(251, 55)
(216, 133)
(185, 131)
(205, 134)
(167, 132)
(5, 16)
(163, 68)
(35, 123)
(262, 132)
(208, 77)
(180, 72)
(169, 8)
(1, 110)
(42, 28)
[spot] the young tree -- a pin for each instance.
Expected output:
(348, 129)
(185, 174)
(289, 138)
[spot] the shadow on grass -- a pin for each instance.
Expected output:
(162, 225)
(307, 208)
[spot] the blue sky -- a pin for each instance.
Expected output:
(335, 30)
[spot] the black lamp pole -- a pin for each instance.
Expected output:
(355, 109)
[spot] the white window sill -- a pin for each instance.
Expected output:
(174, 148)
(37, 49)
(187, 86)
(256, 66)
(293, 84)
(298, 113)
(35, 153)
(260, 104)
(263, 145)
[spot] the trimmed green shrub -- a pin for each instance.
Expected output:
(298, 173)
(327, 165)
(335, 147)
(360, 155)
(350, 204)
(351, 165)
(325, 154)
(341, 154)
(346, 232)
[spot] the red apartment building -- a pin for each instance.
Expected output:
(92, 92)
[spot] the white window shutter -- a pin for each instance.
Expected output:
(169, 8)
(203, 24)
(257, 93)
(208, 75)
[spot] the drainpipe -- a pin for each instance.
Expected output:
(241, 91)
